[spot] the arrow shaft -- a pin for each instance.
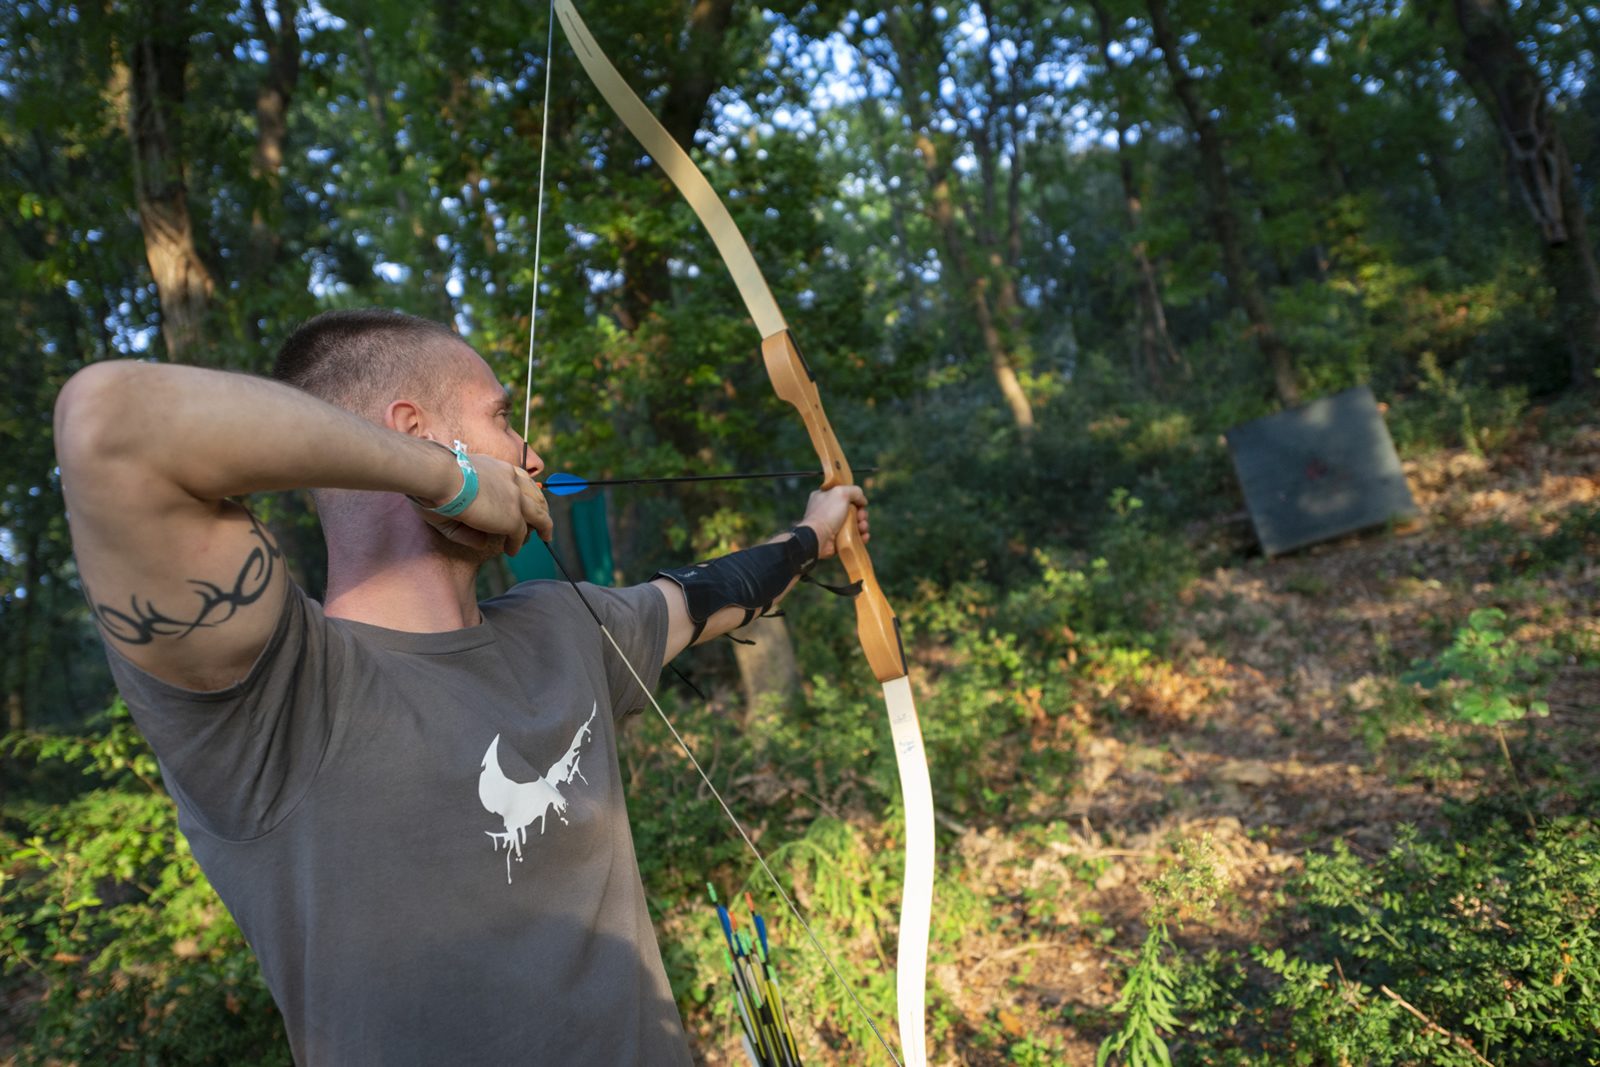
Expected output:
(589, 482)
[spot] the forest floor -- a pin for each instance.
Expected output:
(1270, 728)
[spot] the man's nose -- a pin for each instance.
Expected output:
(531, 461)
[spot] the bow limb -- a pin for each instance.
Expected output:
(876, 625)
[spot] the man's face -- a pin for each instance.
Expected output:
(475, 409)
(482, 419)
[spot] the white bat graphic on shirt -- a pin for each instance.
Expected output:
(520, 803)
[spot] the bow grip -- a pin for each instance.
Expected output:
(876, 626)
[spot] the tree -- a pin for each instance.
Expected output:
(1157, 354)
(980, 232)
(1226, 226)
(1511, 90)
(155, 69)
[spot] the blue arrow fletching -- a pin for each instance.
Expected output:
(565, 485)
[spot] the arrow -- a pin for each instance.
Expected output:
(573, 484)
(769, 1039)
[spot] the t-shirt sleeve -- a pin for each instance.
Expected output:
(238, 760)
(637, 618)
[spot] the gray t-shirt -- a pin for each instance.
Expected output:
(423, 836)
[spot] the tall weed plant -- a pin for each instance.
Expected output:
(1149, 997)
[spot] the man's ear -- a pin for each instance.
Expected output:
(407, 417)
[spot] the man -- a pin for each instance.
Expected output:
(408, 799)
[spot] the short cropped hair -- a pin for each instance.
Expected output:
(361, 359)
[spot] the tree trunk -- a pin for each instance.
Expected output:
(1511, 89)
(768, 673)
(272, 128)
(20, 657)
(1224, 218)
(157, 62)
(1156, 351)
(1005, 256)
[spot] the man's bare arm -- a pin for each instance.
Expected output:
(185, 583)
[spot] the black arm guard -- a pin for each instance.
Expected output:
(751, 579)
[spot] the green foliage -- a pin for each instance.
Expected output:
(1115, 595)
(848, 893)
(1392, 705)
(102, 904)
(988, 710)
(1035, 1051)
(1008, 707)
(1485, 672)
(1193, 885)
(1489, 932)
(1446, 411)
(1351, 1026)
(1138, 573)
(1576, 537)
(1147, 1001)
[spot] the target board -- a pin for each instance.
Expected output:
(1319, 471)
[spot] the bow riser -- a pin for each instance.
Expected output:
(876, 625)
(793, 381)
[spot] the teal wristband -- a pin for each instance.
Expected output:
(469, 486)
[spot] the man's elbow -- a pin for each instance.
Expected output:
(92, 412)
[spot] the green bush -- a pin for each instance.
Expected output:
(1485, 673)
(103, 908)
(1119, 593)
(1576, 537)
(1448, 411)
(1479, 942)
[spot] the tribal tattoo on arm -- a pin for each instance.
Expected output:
(143, 622)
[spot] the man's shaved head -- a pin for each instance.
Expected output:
(361, 360)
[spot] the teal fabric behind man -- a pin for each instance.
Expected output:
(590, 535)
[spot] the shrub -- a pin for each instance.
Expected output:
(1480, 944)
(103, 906)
